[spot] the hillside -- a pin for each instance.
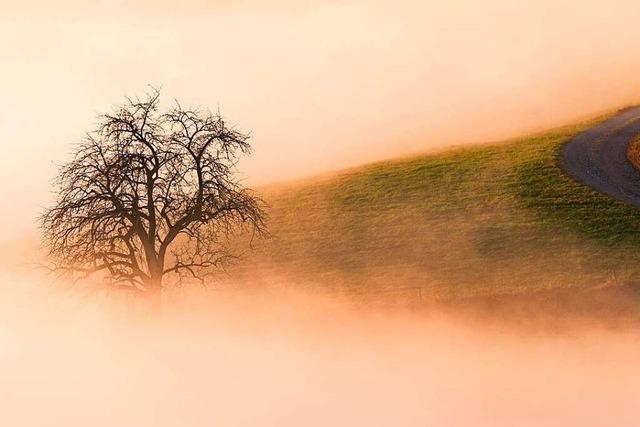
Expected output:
(479, 221)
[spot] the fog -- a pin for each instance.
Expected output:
(281, 358)
(321, 85)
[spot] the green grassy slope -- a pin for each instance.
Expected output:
(487, 220)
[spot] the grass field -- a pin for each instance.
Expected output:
(486, 220)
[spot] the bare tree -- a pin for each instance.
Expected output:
(150, 194)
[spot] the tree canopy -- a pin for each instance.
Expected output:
(149, 194)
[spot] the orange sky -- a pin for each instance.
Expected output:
(321, 85)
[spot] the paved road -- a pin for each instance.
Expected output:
(598, 157)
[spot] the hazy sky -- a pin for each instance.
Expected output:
(321, 85)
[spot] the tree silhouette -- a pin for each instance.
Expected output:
(150, 194)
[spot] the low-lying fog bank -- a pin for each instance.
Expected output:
(284, 359)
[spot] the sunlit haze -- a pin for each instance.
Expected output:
(320, 85)
(489, 286)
